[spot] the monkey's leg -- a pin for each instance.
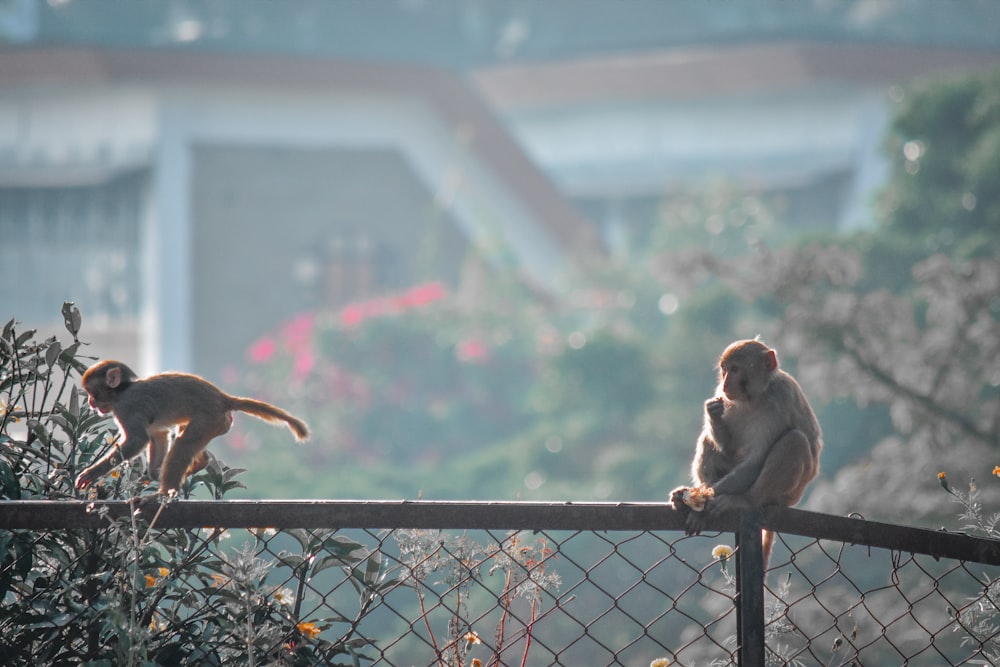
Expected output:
(159, 444)
(778, 477)
(187, 449)
(790, 466)
(200, 462)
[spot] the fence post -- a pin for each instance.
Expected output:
(749, 592)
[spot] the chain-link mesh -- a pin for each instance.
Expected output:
(829, 603)
(405, 597)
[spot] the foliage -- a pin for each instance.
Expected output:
(904, 320)
(597, 393)
(980, 617)
(944, 147)
(457, 395)
(128, 593)
(455, 564)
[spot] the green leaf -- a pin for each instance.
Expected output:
(71, 317)
(19, 341)
(326, 562)
(345, 547)
(229, 473)
(374, 569)
(68, 358)
(52, 353)
(291, 560)
(9, 486)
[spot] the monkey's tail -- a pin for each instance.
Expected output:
(271, 413)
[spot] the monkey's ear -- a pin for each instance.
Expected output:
(114, 377)
(771, 360)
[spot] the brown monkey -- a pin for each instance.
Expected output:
(761, 441)
(148, 411)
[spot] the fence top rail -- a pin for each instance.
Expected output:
(494, 515)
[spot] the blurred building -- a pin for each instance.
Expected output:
(193, 172)
(800, 124)
(188, 201)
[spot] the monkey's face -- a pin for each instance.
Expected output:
(104, 381)
(735, 381)
(744, 374)
(100, 398)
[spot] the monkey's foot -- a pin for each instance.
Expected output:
(695, 523)
(153, 499)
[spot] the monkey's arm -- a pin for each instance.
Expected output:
(135, 439)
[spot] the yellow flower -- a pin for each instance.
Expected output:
(308, 629)
(150, 581)
(163, 571)
(5, 410)
(722, 552)
(219, 581)
(472, 638)
(116, 473)
(660, 662)
(476, 662)
(996, 471)
(943, 478)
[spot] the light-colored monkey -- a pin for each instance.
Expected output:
(760, 443)
(149, 410)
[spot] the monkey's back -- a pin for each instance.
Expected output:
(169, 397)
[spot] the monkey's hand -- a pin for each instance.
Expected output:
(677, 498)
(693, 501)
(714, 407)
(86, 478)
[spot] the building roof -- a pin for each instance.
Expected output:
(708, 71)
(449, 96)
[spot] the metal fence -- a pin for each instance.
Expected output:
(477, 584)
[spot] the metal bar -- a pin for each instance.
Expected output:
(42, 514)
(48, 514)
(750, 592)
(935, 543)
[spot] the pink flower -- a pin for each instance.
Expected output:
(237, 440)
(352, 315)
(355, 313)
(298, 331)
(471, 350)
(304, 362)
(262, 350)
(421, 295)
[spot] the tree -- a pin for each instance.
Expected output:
(905, 316)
